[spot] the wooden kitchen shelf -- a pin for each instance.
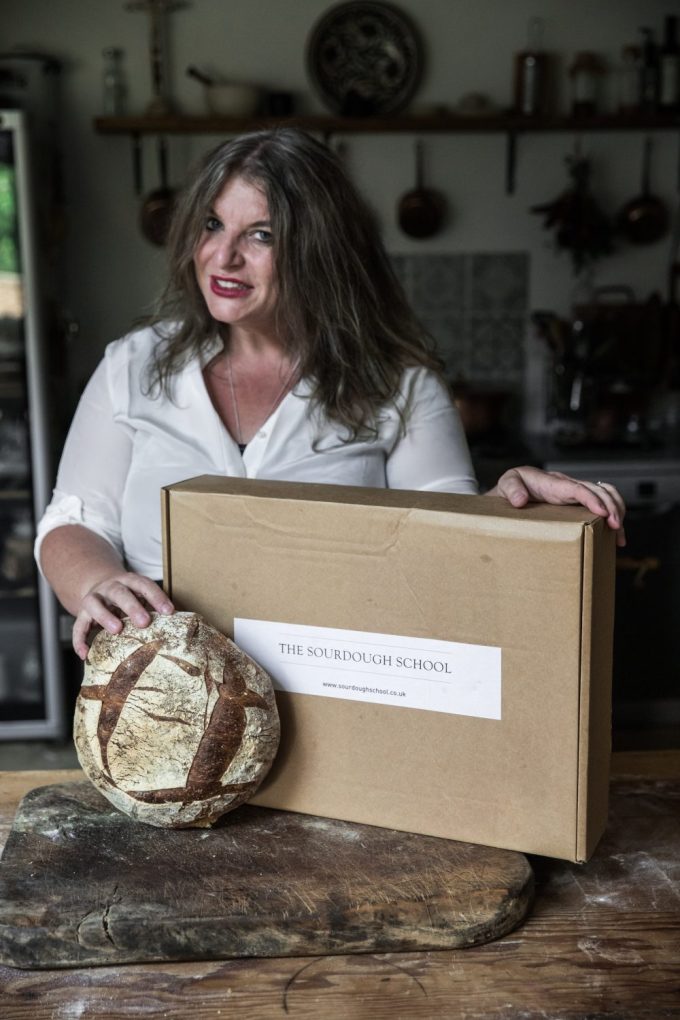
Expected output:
(509, 124)
(398, 124)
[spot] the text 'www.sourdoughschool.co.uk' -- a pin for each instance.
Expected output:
(390, 669)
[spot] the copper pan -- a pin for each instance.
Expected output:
(158, 206)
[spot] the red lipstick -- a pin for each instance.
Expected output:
(228, 287)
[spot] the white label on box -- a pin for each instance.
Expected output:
(438, 676)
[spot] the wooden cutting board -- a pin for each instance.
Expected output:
(82, 884)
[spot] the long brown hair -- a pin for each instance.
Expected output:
(341, 310)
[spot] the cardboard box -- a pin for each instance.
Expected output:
(455, 652)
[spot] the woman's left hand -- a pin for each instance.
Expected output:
(522, 485)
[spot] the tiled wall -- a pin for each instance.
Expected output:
(475, 306)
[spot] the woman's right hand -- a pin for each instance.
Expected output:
(91, 582)
(119, 594)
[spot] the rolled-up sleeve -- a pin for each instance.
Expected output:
(93, 469)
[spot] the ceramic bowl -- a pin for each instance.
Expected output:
(232, 99)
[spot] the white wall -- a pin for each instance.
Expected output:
(112, 273)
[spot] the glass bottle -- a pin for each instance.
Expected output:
(531, 73)
(629, 79)
(585, 73)
(649, 72)
(669, 68)
(113, 82)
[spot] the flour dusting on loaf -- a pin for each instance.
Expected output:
(174, 723)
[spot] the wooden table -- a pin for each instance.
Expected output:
(603, 941)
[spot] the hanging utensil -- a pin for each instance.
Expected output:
(137, 163)
(421, 211)
(157, 208)
(644, 219)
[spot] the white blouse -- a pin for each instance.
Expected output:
(124, 446)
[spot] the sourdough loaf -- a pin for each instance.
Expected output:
(174, 724)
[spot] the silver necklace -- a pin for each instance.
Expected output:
(274, 404)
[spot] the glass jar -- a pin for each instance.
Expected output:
(113, 82)
(586, 73)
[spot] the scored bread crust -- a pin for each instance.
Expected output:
(174, 723)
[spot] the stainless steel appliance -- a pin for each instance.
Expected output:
(647, 623)
(31, 686)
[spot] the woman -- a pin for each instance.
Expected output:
(283, 347)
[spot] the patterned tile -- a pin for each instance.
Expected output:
(496, 348)
(433, 283)
(438, 283)
(402, 267)
(448, 331)
(475, 307)
(499, 282)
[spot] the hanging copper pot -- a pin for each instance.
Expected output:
(158, 206)
(421, 211)
(644, 219)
